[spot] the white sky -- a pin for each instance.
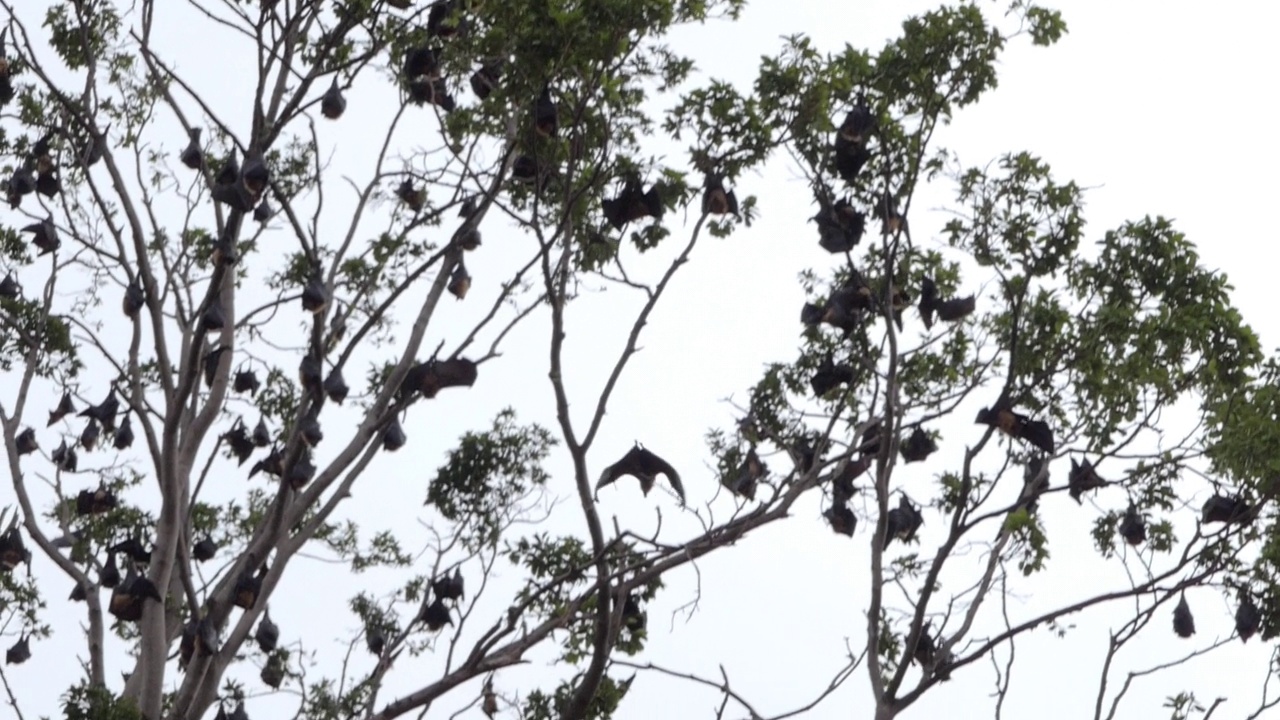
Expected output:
(1161, 108)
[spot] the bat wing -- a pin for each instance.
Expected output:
(654, 465)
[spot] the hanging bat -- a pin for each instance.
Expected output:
(421, 62)
(95, 147)
(1248, 619)
(645, 466)
(1183, 623)
(48, 183)
(268, 633)
(918, 446)
(210, 364)
(192, 155)
(9, 288)
(134, 297)
(393, 437)
(19, 653)
(332, 103)
(65, 408)
(1133, 528)
(248, 587)
(263, 212)
(25, 442)
(1017, 425)
(840, 226)
(1082, 479)
(335, 386)
(44, 235)
(459, 281)
(237, 439)
(309, 373)
(546, 120)
(850, 158)
(130, 595)
(842, 519)
(78, 593)
(869, 443)
(743, 483)
(375, 640)
(315, 297)
(437, 615)
(13, 551)
(632, 204)
(124, 435)
(261, 437)
(858, 124)
(1222, 509)
(239, 713)
(246, 381)
(830, 376)
(213, 318)
(633, 618)
(104, 412)
(204, 550)
(716, 200)
(440, 19)
(273, 672)
(95, 502)
(488, 699)
(133, 549)
(524, 169)
(272, 464)
(64, 458)
(109, 577)
(310, 430)
(254, 175)
(901, 522)
(886, 211)
(431, 91)
(414, 197)
(449, 587)
(485, 79)
(301, 472)
(897, 299)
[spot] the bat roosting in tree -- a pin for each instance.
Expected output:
(1017, 425)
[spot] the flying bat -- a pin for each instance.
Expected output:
(644, 466)
(1017, 425)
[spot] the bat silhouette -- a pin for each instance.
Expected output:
(645, 466)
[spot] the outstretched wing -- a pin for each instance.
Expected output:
(626, 466)
(654, 465)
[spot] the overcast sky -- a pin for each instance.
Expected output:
(1159, 108)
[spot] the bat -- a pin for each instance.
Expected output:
(260, 437)
(1248, 619)
(65, 408)
(246, 381)
(263, 212)
(393, 437)
(204, 550)
(415, 198)
(237, 438)
(842, 519)
(926, 649)
(229, 172)
(94, 147)
(1082, 479)
(1035, 480)
(109, 577)
(301, 472)
(524, 169)
(436, 615)
(449, 587)
(470, 239)
(134, 549)
(400, 4)
(211, 361)
(486, 78)
(19, 653)
(248, 587)
(332, 103)
(897, 299)
(830, 376)
(9, 288)
(431, 91)
(459, 281)
(130, 596)
(806, 453)
(1183, 622)
(239, 713)
(13, 551)
(886, 211)
(44, 235)
(273, 672)
(1133, 527)
(743, 483)
(632, 204)
(315, 296)
(224, 251)
(25, 442)
(213, 318)
(858, 124)
(78, 593)
(335, 386)
(840, 226)
(489, 699)
(375, 640)
(928, 301)
(545, 114)
(918, 446)
(233, 195)
(95, 502)
(633, 617)
(134, 297)
(716, 200)
(1222, 509)
(48, 183)
(192, 155)
(438, 19)
(64, 458)
(645, 466)
(901, 522)
(1016, 425)
(869, 443)
(124, 436)
(268, 634)
(89, 437)
(955, 309)
(421, 62)
(272, 464)
(309, 429)
(441, 374)
(850, 158)
(255, 176)
(310, 373)
(104, 412)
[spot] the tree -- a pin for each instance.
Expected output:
(212, 209)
